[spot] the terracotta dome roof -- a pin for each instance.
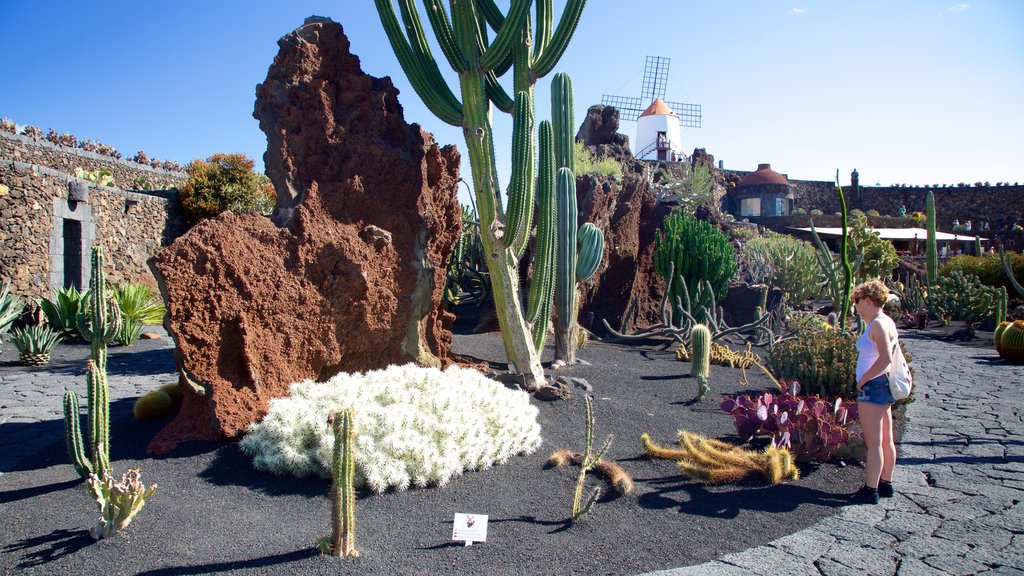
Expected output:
(657, 107)
(764, 175)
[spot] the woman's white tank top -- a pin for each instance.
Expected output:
(867, 351)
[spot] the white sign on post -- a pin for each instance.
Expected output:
(470, 528)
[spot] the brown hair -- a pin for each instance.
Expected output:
(873, 290)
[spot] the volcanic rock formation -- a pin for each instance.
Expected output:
(350, 277)
(629, 216)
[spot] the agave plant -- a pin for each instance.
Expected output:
(11, 308)
(139, 306)
(62, 312)
(35, 343)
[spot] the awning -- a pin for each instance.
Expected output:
(898, 234)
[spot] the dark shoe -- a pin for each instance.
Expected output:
(864, 496)
(885, 489)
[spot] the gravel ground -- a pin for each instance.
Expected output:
(213, 513)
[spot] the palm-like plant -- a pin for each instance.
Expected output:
(139, 306)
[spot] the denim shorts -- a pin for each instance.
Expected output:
(876, 391)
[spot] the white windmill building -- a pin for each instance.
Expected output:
(657, 134)
(658, 127)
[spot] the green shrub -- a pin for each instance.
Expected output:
(816, 212)
(856, 213)
(588, 164)
(824, 362)
(62, 312)
(799, 212)
(873, 213)
(785, 263)
(988, 269)
(225, 182)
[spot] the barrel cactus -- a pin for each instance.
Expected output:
(1010, 341)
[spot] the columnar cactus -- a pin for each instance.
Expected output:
(931, 248)
(96, 382)
(343, 498)
(479, 61)
(579, 250)
(844, 307)
(700, 343)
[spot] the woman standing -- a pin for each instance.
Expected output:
(874, 401)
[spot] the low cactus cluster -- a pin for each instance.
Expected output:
(960, 296)
(823, 362)
(1009, 340)
(810, 426)
(716, 462)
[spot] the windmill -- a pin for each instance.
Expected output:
(658, 121)
(655, 78)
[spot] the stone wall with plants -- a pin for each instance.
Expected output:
(128, 174)
(997, 203)
(132, 226)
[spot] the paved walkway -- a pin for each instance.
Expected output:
(959, 507)
(959, 479)
(31, 399)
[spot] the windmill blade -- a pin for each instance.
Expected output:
(689, 114)
(655, 78)
(629, 108)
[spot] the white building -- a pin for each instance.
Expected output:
(657, 134)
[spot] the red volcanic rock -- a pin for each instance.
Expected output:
(350, 277)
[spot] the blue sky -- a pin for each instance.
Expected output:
(916, 92)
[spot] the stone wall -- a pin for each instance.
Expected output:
(21, 148)
(45, 233)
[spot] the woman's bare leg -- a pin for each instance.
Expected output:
(871, 416)
(888, 445)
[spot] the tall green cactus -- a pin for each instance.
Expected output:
(844, 307)
(579, 249)
(479, 61)
(96, 385)
(343, 499)
(931, 248)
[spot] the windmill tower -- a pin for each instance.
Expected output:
(658, 122)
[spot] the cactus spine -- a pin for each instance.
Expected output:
(96, 385)
(931, 249)
(343, 498)
(479, 60)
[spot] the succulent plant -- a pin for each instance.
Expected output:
(62, 312)
(35, 343)
(342, 542)
(699, 253)
(11, 307)
(823, 362)
(118, 501)
(811, 427)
